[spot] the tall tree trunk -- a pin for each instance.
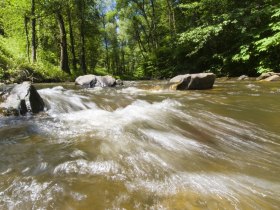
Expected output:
(33, 31)
(123, 67)
(82, 36)
(83, 51)
(106, 43)
(139, 41)
(64, 63)
(154, 24)
(148, 33)
(174, 20)
(72, 41)
(171, 19)
(26, 20)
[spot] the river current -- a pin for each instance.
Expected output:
(143, 146)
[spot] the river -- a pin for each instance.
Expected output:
(142, 146)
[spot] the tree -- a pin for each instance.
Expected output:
(72, 40)
(142, 38)
(64, 63)
(81, 10)
(33, 32)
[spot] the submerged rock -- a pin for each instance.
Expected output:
(243, 77)
(21, 99)
(91, 81)
(199, 81)
(119, 82)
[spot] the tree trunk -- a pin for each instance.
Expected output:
(83, 53)
(72, 41)
(26, 20)
(33, 29)
(171, 19)
(154, 24)
(82, 34)
(107, 63)
(174, 20)
(64, 63)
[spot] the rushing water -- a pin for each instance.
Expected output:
(143, 146)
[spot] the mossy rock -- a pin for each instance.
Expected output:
(24, 73)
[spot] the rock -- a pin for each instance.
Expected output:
(199, 81)
(2, 89)
(105, 81)
(265, 75)
(91, 81)
(272, 78)
(119, 82)
(23, 98)
(243, 77)
(86, 80)
(5, 90)
(24, 73)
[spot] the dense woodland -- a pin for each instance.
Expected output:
(57, 40)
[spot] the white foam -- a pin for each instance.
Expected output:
(27, 193)
(113, 123)
(84, 167)
(173, 141)
(229, 186)
(131, 90)
(59, 100)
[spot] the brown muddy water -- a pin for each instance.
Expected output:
(145, 147)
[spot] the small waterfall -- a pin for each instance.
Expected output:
(59, 100)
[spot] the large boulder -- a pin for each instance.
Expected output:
(264, 76)
(86, 80)
(105, 81)
(91, 81)
(272, 78)
(21, 99)
(199, 81)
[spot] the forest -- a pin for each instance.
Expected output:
(55, 40)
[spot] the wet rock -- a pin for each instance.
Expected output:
(199, 81)
(5, 90)
(105, 81)
(263, 76)
(243, 77)
(2, 85)
(272, 78)
(86, 80)
(21, 99)
(119, 82)
(24, 73)
(91, 81)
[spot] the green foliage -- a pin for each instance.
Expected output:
(15, 68)
(196, 38)
(264, 44)
(140, 39)
(243, 55)
(139, 73)
(236, 37)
